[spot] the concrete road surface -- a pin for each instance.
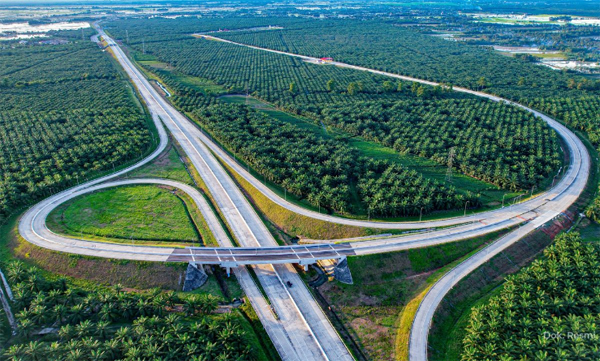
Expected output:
(303, 331)
(301, 316)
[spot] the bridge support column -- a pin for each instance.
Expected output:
(306, 262)
(228, 266)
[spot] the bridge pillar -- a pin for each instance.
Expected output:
(306, 262)
(228, 266)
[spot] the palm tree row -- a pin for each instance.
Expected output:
(65, 115)
(326, 172)
(61, 322)
(548, 311)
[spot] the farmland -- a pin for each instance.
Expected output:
(111, 323)
(426, 192)
(66, 115)
(373, 108)
(555, 294)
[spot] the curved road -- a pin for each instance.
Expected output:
(307, 329)
(250, 232)
(290, 340)
(574, 145)
(547, 206)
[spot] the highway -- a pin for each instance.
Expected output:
(302, 331)
(573, 145)
(306, 326)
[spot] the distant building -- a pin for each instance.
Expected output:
(53, 42)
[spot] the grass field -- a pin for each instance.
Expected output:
(168, 165)
(204, 85)
(135, 212)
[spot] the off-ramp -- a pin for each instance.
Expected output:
(320, 338)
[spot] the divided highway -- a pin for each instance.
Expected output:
(303, 331)
(307, 329)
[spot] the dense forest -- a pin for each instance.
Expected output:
(325, 172)
(548, 311)
(60, 321)
(66, 113)
(494, 142)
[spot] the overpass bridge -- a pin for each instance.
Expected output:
(231, 257)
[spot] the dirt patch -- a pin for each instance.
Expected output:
(367, 300)
(420, 275)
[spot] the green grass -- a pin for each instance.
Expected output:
(447, 255)
(457, 328)
(557, 55)
(168, 165)
(135, 212)
(203, 85)
(423, 259)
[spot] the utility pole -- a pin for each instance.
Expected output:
(127, 36)
(82, 36)
(450, 163)
(143, 46)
